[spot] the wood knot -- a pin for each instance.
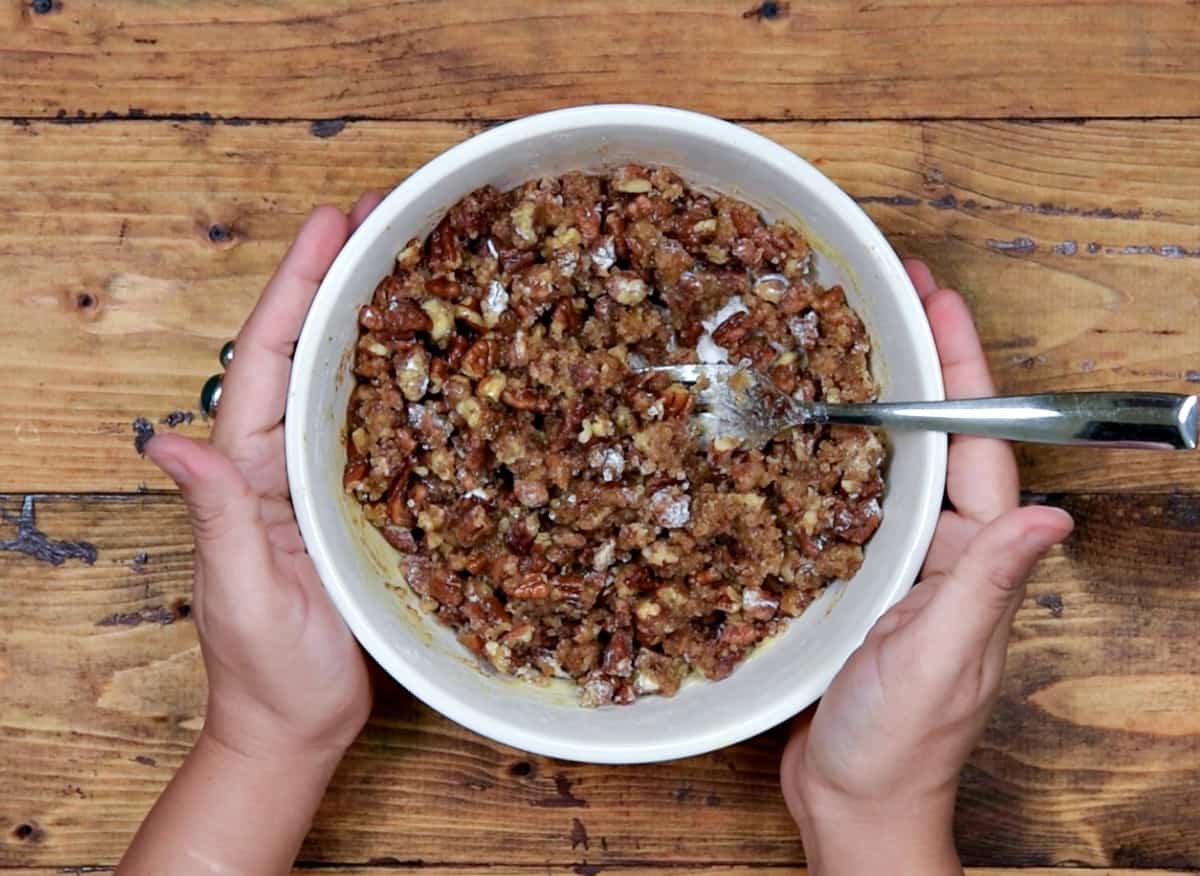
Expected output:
(28, 832)
(767, 10)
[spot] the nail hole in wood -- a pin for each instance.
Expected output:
(219, 233)
(521, 768)
(23, 831)
(85, 300)
(42, 7)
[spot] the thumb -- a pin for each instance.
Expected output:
(220, 503)
(988, 580)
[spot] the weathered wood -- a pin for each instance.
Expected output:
(740, 58)
(387, 869)
(1092, 758)
(131, 251)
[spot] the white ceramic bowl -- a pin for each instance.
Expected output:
(356, 565)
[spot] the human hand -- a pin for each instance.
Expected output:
(871, 776)
(286, 678)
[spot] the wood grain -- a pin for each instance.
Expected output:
(103, 693)
(384, 869)
(404, 60)
(131, 251)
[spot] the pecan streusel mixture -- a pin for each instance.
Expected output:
(551, 505)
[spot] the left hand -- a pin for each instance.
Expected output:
(286, 678)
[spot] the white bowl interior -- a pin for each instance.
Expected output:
(360, 570)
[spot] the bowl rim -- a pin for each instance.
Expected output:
(322, 310)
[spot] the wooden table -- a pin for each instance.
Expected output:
(155, 159)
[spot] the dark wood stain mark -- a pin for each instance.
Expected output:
(681, 794)
(586, 869)
(1067, 248)
(325, 128)
(143, 431)
(1053, 602)
(893, 200)
(1125, 545)
(1192, 376)
(177, 418)
(381, 861)
(1048, 209)
(1157, 332)
(139, 561)
(712, 800)
(1028, 362)
(521, 768)
(564, 798)
(145, 761)
(1167, 251)
(124, 230)
(32, 542)
(1019, 245)
(1093, 247)
(1017, 343)
(579, 835)
(768, 10)
(945, 202)
(158, 614)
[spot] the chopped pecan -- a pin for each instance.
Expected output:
(559, 516)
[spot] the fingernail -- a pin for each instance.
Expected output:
(1066, 517)
(1043, 538)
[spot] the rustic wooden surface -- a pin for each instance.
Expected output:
(497, 59)
(1091, 756)
(685, 870)
(155, 159)
(140, 246)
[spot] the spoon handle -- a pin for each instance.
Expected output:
(1151, 421)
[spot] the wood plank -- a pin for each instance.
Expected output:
(132, 250)
(1081, 764)
(738, 58)
(383, 869)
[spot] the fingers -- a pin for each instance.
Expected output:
(982, 477)
(363, 207)
(987, 583)
(255, 386)
(921, 276)
(964, 366)
(905, 610)
(954, 532)
(225, 514)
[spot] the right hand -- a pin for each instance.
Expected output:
(871, 776)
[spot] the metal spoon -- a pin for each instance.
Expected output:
(740, 404)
